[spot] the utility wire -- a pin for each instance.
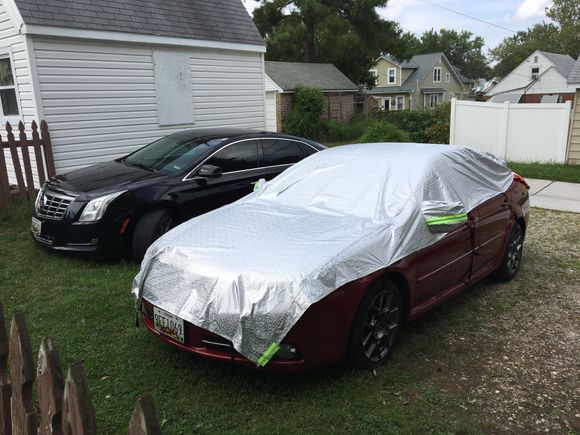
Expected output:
(469, 16)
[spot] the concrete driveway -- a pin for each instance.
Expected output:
(555, 195)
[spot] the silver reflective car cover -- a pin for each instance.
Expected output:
(248, 271)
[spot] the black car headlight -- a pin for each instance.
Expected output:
(95, 209)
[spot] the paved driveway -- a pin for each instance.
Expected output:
(555, 195)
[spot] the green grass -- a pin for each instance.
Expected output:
(547, 171)
(86, 306)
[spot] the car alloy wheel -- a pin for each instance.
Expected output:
(380, 327)
(514, 250)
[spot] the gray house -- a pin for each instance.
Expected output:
(110, 76)
(423, 82)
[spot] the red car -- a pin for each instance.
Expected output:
(361, 319)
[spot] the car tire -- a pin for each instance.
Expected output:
(376, 325)
(149, 228)
(512, 257)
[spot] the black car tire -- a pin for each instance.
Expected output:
(149, 228)
(512, 257)
(376, 325)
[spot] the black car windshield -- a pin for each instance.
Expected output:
(170, 154)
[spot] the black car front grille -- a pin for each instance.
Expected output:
(52, 206)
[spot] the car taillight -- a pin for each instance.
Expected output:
(522, 180)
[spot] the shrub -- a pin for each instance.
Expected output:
(415, 123)
(304, 119)
(337, 131)
(439, 131)
(383, 131)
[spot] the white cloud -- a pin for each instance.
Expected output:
(532, 8)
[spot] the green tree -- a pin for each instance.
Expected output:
(561, 35)
(463, 50)
(347, 33)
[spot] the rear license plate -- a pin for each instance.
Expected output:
(168, 324)
(36, 227)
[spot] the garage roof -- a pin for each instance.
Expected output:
(324, 76)
(216, 20)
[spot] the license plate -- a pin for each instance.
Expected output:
(36, 226)
(168, 324)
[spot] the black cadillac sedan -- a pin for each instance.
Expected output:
(121, 207)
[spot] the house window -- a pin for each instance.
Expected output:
(437, 74)
(8, 88)
(535, 73)
(433, 100)
(173, 87)
(374, 72)
(400, 102)
(535, 59)
(447, 77)
(392, 74)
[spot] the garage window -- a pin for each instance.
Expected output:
(8, 88)
(173, 87)
(236, 157)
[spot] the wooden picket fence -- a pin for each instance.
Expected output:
(21, 163)
(64, 404)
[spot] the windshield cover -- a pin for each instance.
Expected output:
(171, 154)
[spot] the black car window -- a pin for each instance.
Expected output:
(281, 152)
(236, 157)
(170, 154)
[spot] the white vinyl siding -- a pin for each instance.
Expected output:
(100, 101)
(13, 45)
(271, 118)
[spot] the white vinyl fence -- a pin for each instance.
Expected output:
(516, 132)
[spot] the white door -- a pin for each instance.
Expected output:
(271, 111)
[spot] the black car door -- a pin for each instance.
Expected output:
(279, 154)
(239, 162)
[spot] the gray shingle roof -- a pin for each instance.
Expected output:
(324, 76)
(215, 20)
(562, 62)
(574, 77)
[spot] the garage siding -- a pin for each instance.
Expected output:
(100, 101)
(271, 121)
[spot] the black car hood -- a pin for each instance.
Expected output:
(102, 178)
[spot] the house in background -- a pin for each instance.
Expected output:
(574, 138)
(541, 78)
(282, 79)
(423, 82)
(111, 76)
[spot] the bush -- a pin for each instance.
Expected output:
(304, 120)
(439, 131)
(336, 131)
(415, 123)
(383, 131)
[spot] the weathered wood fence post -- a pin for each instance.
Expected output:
(65, 405)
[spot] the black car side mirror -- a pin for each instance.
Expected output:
(209, 171)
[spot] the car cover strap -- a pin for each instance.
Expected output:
(267, 356)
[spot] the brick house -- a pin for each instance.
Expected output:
(282, 79)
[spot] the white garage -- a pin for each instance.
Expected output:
(272, 90)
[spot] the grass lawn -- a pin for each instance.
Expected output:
(86, 306)
(547, 171)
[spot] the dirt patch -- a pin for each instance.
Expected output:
(518, 370)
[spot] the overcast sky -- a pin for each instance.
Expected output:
(418, 15)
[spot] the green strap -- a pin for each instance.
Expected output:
(447, 219)
(267, 356)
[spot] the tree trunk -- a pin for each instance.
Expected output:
(309, 48)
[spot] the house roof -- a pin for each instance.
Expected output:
(574, 77)
(325, 76)
(562, 62)
(216, 20)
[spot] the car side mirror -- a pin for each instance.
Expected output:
(209, 171)
(442, 216)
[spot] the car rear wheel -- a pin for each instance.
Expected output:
(512, 256)
(376, 325)
(149, 228)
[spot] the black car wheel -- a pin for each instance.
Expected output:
(149, 228)
(376, 325)
(512, 256)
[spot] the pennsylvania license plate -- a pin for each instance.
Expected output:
(168, 324)
(36, 227)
